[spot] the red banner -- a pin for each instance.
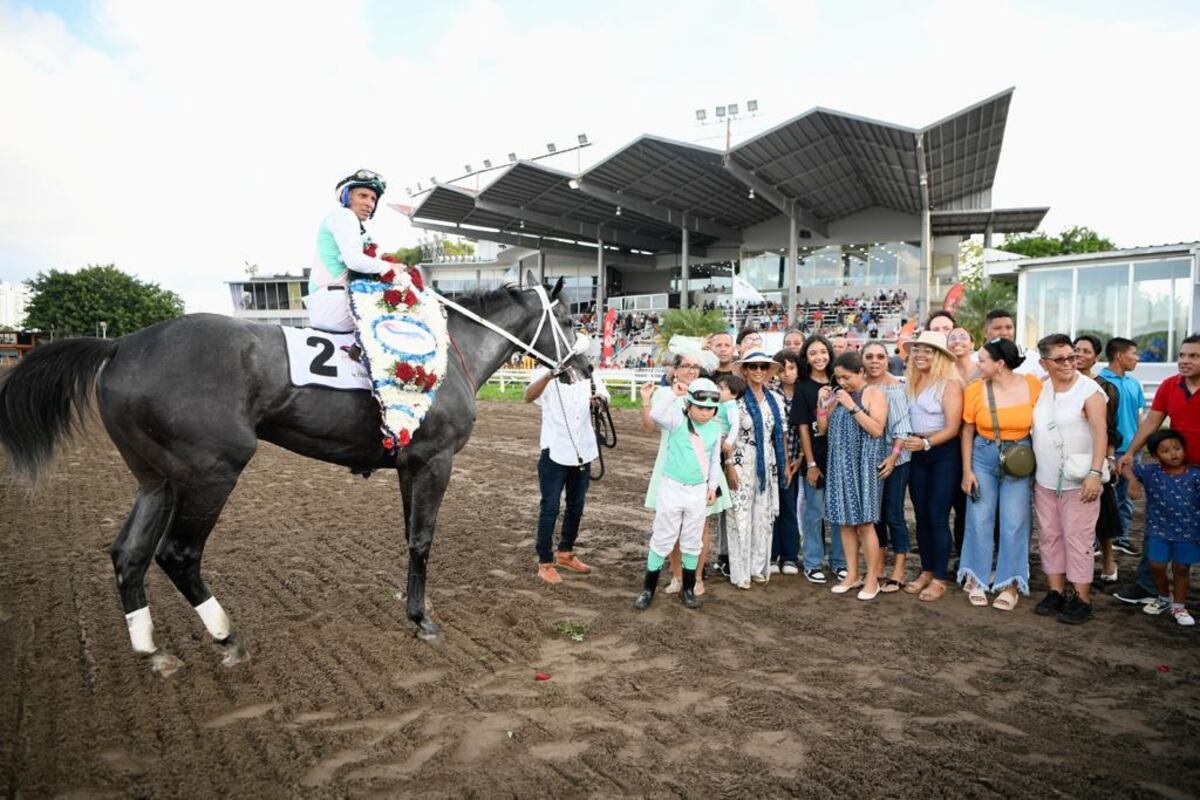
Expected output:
(954, 298)
(610, 325)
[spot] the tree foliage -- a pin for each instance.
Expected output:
(74, 303)
(410, 255)
(1072, 240)
(689, 322)
(979, 299)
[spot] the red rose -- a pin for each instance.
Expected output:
(388, 276)
(410, 299)
(417, 280)
(420, 372)
(430, 381)
(405, 438)
(369, 249)
(393, 297)
(404, 371)
(389, 443)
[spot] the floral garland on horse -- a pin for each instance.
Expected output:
(401, 330)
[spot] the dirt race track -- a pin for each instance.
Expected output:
(782, 690)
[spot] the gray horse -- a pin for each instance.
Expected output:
(186, 402)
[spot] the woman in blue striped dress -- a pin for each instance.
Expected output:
(856, 419)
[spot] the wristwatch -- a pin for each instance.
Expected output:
(928, 444)
(812, 465)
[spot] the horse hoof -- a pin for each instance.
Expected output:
(234, 652)
(164, 663)
(429, 632)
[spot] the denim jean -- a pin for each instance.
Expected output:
(813, 532)
(999, 493)
(552, 479)
(1124, 506)
(892, 527)
(932, 476)
(785, 539)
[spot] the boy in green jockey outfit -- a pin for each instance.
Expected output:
(688, 486)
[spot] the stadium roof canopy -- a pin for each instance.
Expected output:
(819, 167)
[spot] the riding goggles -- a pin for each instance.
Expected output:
(705, 397)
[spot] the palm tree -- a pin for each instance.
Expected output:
(689, 322)
(979, 299)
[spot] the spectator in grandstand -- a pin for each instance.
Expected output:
(935, 412)
(1070, 445)
(793, 340)
(892, 526)
(995, 494)
(815, 358)
(759, 461)
(785, 539)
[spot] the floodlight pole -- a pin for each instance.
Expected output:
(599, 281)
(789, 271)
(924, 291)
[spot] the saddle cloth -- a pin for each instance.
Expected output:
(316, 358)
(401, 329)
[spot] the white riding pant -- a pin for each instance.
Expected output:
(679, 513)
(329, 309)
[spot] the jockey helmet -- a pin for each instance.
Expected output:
(703, 392)
(362, 178)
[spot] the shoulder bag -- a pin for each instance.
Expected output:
(1015, 459)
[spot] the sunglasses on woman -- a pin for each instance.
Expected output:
(756, 366)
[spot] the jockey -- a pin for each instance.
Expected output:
(343, 245)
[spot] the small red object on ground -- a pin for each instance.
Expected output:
(542, 676)
(1163, 668)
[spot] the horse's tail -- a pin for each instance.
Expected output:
(45, 396)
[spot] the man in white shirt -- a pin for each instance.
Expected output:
(568, 446)
(999, 324)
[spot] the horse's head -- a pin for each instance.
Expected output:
(556, 335)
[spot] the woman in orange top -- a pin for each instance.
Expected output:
(990, 490)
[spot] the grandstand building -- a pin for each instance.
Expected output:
(823, 206)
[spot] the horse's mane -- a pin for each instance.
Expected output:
(481, 298)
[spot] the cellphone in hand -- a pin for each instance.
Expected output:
(975, 493)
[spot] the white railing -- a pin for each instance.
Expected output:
(622, 380)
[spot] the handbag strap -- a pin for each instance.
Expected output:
(991, 401)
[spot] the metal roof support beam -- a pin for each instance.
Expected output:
(574, 228)
(531, 242)
(789, 270)
(925, 289)
(661, 213)
(786, 205)
(685, 273)
(598, 316)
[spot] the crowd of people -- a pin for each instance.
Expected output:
(800, 463)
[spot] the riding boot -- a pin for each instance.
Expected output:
(688, 595)
(648, 587)
(355, 352)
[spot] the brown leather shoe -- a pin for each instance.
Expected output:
(569, 562)
(548, 573)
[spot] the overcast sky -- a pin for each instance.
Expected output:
(181, 140)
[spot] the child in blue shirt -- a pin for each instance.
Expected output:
(688, 485)
(1172, 490)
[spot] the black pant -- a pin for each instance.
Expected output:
(552, 479)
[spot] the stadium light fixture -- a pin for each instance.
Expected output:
(618, 211)
(466, 167)
(582, 138)
(752, 106)
(512, 158)
(418, 186)
(408, 190)
(573, 183)
(487, 163)
(751, 195)
(550, 148)
(432, 181)
(720, 111)
(732, 109)
(701, 115)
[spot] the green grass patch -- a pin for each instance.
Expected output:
(515, 393)
(575, 631)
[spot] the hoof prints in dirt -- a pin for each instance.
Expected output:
(779, 690)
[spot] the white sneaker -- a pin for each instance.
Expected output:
(1157, 606)
(756, 578)
(1181, 615)
(1109, 577)
(674, 587)
(791, 569)
(774, 569)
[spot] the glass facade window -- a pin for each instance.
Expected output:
(1102, 301)
(859, 265)
(1047, 303)
(1159, 311)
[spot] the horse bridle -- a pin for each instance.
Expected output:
(561, 345)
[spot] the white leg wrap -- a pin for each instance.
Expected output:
(215, 619)
(141, 630)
